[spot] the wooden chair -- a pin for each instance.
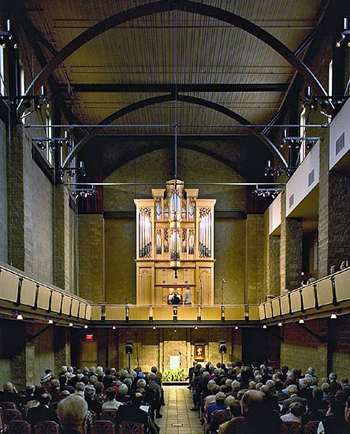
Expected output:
(2, 423)
(290, 428)
(11, 414)
(127, 427)
(108, 415)
(47, 427)
(8, 405)
(311, 427)
(103, 427)
(19, 427)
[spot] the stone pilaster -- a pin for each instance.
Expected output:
(272, 270)
(254, 258)
(16, 250)
(61, 348)
(61, 237)
(291, 250)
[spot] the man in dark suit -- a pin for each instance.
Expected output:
(293, 397)
(131, 412)
(42, 412)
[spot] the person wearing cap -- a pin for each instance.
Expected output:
(219, 404)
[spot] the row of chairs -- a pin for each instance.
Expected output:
(296, 428)
(98, 427)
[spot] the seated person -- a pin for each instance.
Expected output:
(111, 403)
(132, 412)
(10, 394)
(72, 412)
(93, 405)
(219, 404)
(42, 412)
(175, 298)
(296, 411)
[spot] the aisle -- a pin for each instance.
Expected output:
(178, 401)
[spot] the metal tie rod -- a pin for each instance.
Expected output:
(177, 126)
(118, 184)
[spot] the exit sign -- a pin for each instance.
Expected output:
(89, 337)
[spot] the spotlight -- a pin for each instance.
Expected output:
(50, 321)
(85, 326)
(279, 324)
(301, 321)
(113, 327)
(70, 324)
(19, 317)
(338, 44)
(26, 103)
(334, 316)
(264, 326)
(196, 327)
(154, 327)
(236, 328)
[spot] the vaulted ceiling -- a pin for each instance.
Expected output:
(206, 67)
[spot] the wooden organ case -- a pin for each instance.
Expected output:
(175, 247)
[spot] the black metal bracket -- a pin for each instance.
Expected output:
(317, 306)
(70, 308)
(335, 301)
(40, 332)
(19, 291)
(290, 304)
(301, 300)
(279, 301)
(272, 314)
(265, 311)
(36, 297)
(50, 301)
(61, 304)
(312, 333)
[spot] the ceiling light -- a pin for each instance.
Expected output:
(264, 326)
(301, 321)
(154, 327)
(70, 324)
(236, 328)
(113, 327)
(195, 327)
(334, 315)
(279, 324)
(50, 321)
(19, 317)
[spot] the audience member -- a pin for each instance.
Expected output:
(72, 412)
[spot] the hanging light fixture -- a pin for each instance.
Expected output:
(334, 316)
(19, 317)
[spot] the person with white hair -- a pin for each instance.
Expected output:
(334, 386)
(80, 388)
(9, 394)
(123, 395)
(72, 412)
(293, 397)
(89, 394)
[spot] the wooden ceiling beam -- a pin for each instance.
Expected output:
(160, 87)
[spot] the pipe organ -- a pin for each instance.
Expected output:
(175, 247)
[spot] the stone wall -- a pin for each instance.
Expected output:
(38, 260)
(91, 257)
(155, 347)
(3, 195)
(254, 259)
(272, 278)
(300, 349)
